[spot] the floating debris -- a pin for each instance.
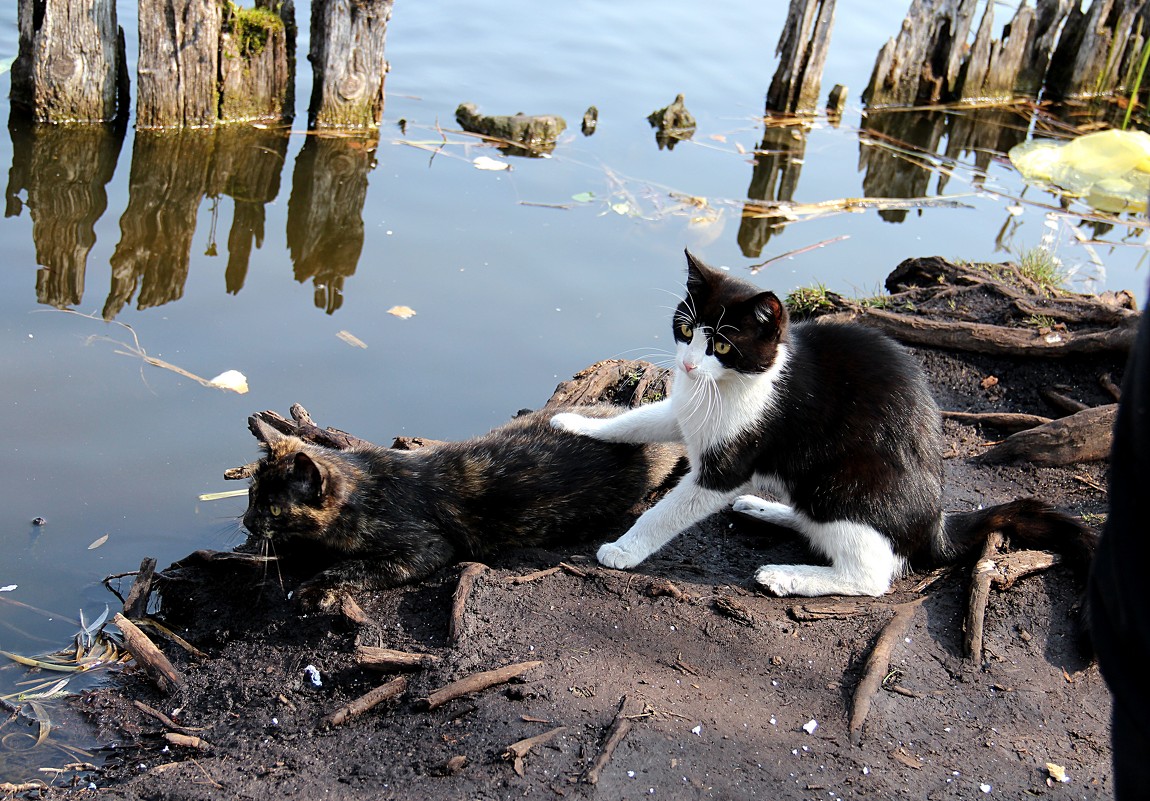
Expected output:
(233, 380)
(351, 339)
(488, 163)
(96, 543)
(402, 312)
(1110, 170)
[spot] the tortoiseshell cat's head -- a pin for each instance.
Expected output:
(295, 491)
(725, 324)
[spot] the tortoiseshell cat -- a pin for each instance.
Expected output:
(395, 517)
(835, 420)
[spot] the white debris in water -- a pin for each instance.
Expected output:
(810, 726)
(231, 379)
(313, 675)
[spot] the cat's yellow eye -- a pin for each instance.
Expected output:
(275, 510)
(722, 348)
(686, 331)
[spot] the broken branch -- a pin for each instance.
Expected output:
(388, 659)
(620, 727)
(984, 570)
(476, 683)
(369, 700)
(876, 665)
(467, 578)
(1082, 437)
(517, 751)
(151, 658)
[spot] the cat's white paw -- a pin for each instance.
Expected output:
(778, 579)
(768, 511)
(611, 555)
(575, 423)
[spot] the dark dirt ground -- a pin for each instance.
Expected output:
(718, 702)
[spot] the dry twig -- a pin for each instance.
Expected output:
(620, 727)
(984, 570)
(516, 751)
(151, 658)
(387, 659)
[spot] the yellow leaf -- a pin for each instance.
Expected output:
(403, 312)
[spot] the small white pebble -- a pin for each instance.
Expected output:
(866, 770)
(773, 721)
(698, 730)
(630, 774)
(313, 675)
(986, 788)
(810, 726)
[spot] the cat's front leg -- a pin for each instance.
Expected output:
(683, 506)
(653, 422)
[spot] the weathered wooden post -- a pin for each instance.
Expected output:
(325, 212)
(1097, 49)
(992, 65)
(921, 65)
(179, 63)
(257, 62)
(1048, 18)
(348, 63)
(70, 62)
(802, 52)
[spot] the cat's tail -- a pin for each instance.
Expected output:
(1029, 523)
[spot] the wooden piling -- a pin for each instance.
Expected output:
(348, 63)
(70, 61)
(802, 52)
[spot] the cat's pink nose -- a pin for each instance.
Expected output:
(689, 367)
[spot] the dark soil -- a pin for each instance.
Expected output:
(723, 684)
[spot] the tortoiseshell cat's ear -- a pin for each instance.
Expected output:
(309, 477)
(263, 432)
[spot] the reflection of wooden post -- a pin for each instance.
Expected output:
(348, 63)
(887, 174)
(167, 183)
(802, 52)
(64, 171)
(70, 59)
(246, 165)
(325, 213)
(778, 162)
(178, 64)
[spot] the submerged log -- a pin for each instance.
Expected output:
(70, 65)
(348, 63)
(802, 52)
(524, 134)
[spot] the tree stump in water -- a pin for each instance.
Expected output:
(348, 63)
(178, 63)
(70, 66)
(802, 52)
(1098, 50)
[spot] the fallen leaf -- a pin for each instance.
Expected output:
(403, 312)
(232, 380)
(988, 382)
(583, 197)
(351, 339)
(488, 163)
(98, 542)
(718, 137)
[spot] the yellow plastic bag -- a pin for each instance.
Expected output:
(1110, 170)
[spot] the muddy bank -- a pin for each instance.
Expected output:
(676, 680)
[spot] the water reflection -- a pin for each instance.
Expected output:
(325, 212)
(899, 151)
(60, 174)
(778, 163)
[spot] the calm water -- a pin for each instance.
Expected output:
(254, 250)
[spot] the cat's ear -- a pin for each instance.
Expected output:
(769, 310)
(309, 475)
(696, 274)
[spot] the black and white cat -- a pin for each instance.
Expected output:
(834, 419)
